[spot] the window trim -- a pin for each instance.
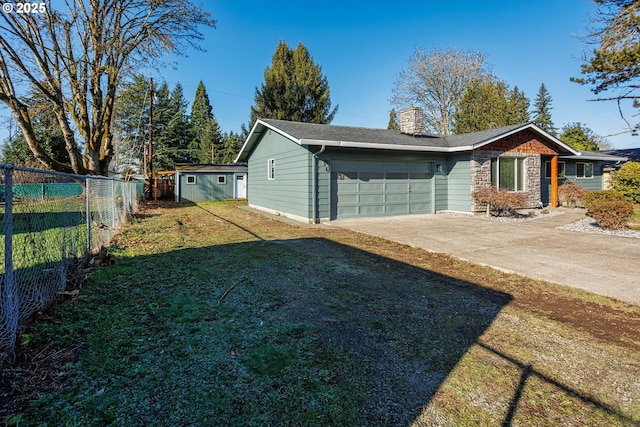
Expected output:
(562, 171)
(271, 169)
(191, 180)
(224, 179)
(585, 176)
(519, 163)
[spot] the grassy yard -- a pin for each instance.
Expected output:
(214, 315)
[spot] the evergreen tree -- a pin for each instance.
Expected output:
(518, 110)
(293, 89)
(131, 130)
(232, 143)
(206, 144)
(171, 130)
(542, 110)
(179, 132)
(489, 104)
(393, 120)
(580, 137)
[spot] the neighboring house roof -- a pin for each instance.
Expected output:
(632, 154)
(212, 168)
(357, 137)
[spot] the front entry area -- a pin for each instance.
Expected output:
(379, 188)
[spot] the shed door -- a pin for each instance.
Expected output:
(241, 186)
(361, 188)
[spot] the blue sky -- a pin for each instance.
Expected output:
(363, 45)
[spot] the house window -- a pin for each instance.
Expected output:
(507, 173)
(191, 179)
(547, 170)
(222, 179)
(271, 169)
(584, 170)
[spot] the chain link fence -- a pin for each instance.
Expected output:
(49, 221)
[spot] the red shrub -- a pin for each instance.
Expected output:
(499, 202)
(571, 194)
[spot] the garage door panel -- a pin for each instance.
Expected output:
(397, 187)
(371, 210)
(396, 198)
(420, 207)
(347, 211)
(396, 209)
(371, 198)
(371, 187)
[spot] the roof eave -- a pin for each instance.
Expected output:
(595, 157)
(380, 146)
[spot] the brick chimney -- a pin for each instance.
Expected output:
(411, 121)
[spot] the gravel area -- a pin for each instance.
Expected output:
(589, 225)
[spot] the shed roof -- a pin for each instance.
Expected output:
(386, 139)
(211, 168)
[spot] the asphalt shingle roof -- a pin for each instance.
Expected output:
(318, 132)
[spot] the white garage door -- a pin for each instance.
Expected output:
(361, 188)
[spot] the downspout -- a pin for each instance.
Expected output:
(315, 184)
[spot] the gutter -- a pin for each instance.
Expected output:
(314, 184)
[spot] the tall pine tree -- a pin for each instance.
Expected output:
(542, 110)
(293, 89)
(207, 144)
(171, 130)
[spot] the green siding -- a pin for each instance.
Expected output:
(591, 184)
(290, 190)
(458, 190)
(206, 186)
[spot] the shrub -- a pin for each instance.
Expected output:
(604, 195)
(571, 194)
(609, 209)
(627, 181)
(499, 202)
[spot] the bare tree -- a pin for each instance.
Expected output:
(436, 81)
(75, 55)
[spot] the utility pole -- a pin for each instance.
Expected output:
(150, 162)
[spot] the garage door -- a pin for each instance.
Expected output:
(360, 188)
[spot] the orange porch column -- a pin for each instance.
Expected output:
(553, 203)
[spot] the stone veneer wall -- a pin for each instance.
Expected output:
(481, 174)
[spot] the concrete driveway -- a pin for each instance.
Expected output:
(602, 264)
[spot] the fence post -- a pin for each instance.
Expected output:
(88, 209)
(10, 298)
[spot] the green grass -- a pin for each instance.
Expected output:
(217, 316)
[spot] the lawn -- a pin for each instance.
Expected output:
(215, 315)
